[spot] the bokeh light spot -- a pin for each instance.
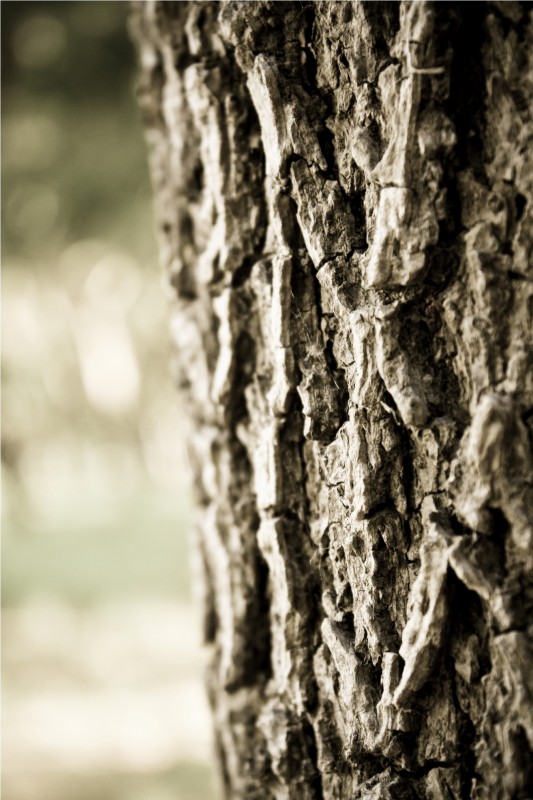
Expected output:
(39, 41)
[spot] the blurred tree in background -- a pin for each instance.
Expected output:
(95, 504)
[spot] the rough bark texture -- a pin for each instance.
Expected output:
(345, 201)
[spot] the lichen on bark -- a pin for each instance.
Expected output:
(344, 194)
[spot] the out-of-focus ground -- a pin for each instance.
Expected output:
(103, 703)
(102, 666)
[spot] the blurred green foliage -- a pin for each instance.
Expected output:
(96, 506)
(90, 428)
(74, 163)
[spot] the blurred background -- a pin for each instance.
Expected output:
(102, 667)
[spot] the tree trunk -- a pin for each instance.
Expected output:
(344, 194)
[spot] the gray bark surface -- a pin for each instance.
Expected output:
(344, 195)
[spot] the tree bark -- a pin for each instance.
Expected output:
(344, 195)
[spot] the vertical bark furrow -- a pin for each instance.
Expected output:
(345, 201)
